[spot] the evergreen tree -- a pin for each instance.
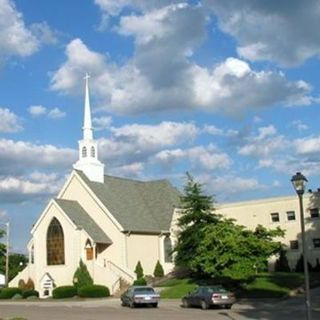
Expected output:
(198, 211)
(158, 270)
(2, 253)
(299, 265)
(82, 276)
(282, 264)
(139, 271)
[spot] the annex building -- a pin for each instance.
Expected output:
(111, 223)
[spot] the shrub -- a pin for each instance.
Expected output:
(21, 284)
(30, 293)
(82, 276)
(8, 293)
(17, 296)
(93, 291)
(140, 282)
(139, 270)
(282, 264)
(158, 270)
(64, 292)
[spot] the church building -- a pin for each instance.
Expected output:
(109, 223)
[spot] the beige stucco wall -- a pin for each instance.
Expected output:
(252, 213)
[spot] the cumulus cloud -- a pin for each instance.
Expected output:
(230, 87)
(38, 110)
(15, 37)
(18, 156)
(19, 189)
(205, 158)
(101, 123)
(9, 121)
(268, 30)
(307, 145)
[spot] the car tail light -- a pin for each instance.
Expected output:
(216, 296)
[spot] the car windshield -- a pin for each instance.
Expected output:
(144, 290)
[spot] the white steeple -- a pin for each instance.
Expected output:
(88, 161)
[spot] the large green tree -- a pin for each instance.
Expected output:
(2, 253)
(197, 212)
(214, 246)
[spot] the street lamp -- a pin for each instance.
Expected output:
(299, 183)
(7, 252)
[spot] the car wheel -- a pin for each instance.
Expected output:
(228, 306)
(204, 305)
(155, 305)
(185, 303)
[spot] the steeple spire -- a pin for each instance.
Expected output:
(87, 125)
(88, 161)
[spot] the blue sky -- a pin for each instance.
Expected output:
(227, 90)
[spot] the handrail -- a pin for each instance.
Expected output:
(121, 270)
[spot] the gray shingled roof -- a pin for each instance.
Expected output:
(137, 205)
(82, 219)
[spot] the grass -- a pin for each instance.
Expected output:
(265, 285)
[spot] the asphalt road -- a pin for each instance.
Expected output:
(168, 309)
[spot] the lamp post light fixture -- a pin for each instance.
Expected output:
(299, 182)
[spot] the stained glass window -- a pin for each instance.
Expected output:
(55, 243)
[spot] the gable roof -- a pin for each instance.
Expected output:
(82, 219)
(138, 206)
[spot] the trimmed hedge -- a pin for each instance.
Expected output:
(140, 282)
(93, 291)
(64, 292)
(8, 293)
(30, 293)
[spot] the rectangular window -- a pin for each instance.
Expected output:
(291, 216)
(294, 245)
(275, 217)
(316, 243)
(314, 213)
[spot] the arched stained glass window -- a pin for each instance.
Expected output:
(167, 249)
(55, 243)
(84, 152)
(93, 152)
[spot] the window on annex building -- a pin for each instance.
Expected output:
(291, 216)
(314, 213)
(167, 249)
(55, 243)
(316, 243)
(294, 245)
(275, 217)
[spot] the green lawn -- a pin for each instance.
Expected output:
(265, 285)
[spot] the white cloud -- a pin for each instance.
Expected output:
(9, 122)
(268, 30)
(56, 113)
(298, 124)
(18, 156)
(307, 145)
(15, 37)
(3, 214)
(38, 110)
(101, 123)
(205, 158)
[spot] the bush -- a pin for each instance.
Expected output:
(140, 282)
(30, 293)
(21, 284)
(282, 264)
(8, 293)
(158, 270)
(29, 285)
(64, 292)
(82, 276)
(139, 270)
(93, 291)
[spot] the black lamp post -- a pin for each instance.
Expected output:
(299, 183)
